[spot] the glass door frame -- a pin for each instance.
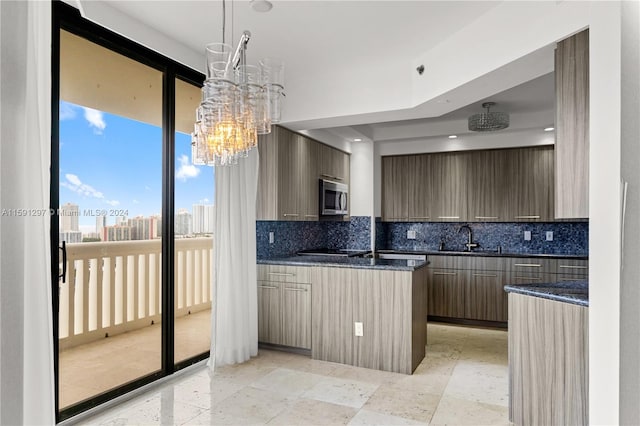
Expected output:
(68, 18)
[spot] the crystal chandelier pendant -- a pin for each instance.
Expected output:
(239, 102)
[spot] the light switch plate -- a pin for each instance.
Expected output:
(271, 238)
(358, 329)
(549, 235)
(411, 235)
(527, 235)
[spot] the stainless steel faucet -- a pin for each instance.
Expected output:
(470, 244)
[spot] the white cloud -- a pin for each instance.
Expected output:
(74, 184)
(135, 202)
(186, 170)
(67, 111)
(95, 119)
(203, 201)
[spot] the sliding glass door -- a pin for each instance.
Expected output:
(133, 303)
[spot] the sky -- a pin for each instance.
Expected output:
(114, 164)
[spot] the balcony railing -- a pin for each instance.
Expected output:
(114, 287)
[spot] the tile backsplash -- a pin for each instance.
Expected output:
(568, 237)
(291, 237)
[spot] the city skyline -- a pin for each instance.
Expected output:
(110, 163)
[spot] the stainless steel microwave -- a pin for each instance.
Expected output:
(333, 198)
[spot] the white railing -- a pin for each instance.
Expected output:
(114, 287)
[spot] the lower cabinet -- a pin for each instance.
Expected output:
(284, 307)
(446, 290)
(485, 298)
(472, 288)
(548, 362)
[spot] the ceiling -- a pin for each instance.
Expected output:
(330, 46)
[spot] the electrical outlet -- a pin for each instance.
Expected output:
(358, 329)
(271, 238)
(527, 235)
(549, 235)
(411, 235)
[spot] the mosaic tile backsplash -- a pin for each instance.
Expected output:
(568, 237)
(291, 237)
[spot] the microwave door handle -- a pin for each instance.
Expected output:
(343, 201)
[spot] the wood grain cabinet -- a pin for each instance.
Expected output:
(487, 183)
(448, 185)
(530, 178)
(289, 173)
(572, 127)
(490, 185)
(548, 362)
(334, 164)
(446, 293)
(284, 305)
(472, 288)
(395, 188)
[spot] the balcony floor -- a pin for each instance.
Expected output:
(90, 369)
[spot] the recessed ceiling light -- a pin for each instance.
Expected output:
(261, 5)
(357, 140)
(453, 136)
(549, 129)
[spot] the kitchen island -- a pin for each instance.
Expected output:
(548, 353)
(368, 313)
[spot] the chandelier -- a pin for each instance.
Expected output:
(239, 102)
(488, 121)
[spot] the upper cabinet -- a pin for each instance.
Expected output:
(572, 127)
(476, 186)
(289, 173)
(334, 164)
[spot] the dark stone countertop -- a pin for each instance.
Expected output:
(574, 292)
(485, 254)
(347, 262)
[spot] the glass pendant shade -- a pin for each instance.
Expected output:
(239, 102)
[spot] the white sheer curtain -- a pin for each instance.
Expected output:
(26, 348)
(234, 326)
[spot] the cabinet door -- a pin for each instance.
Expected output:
(485, 298)
(487, 186)
(267, 197)
(269, 312)
(446, 291)
(530, 175)
(296, 315)
(449, 187)
(309, 171)
(572, 127)
(419, 191)
(289, 184)
(334, 164)
(395, 189)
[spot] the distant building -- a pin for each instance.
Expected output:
(71, 236)
(203, 218)
(143, 228)
(121, 220)
(184, 224)
(116, 233)
(68, 216)
(101, 222)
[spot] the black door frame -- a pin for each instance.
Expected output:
(68, 18)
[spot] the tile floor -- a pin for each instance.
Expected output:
(462, 380)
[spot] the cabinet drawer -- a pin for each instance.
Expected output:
(448, 262)
(284, 273)
(531, 266)
(572, 267)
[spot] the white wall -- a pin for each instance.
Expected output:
(629, 288)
